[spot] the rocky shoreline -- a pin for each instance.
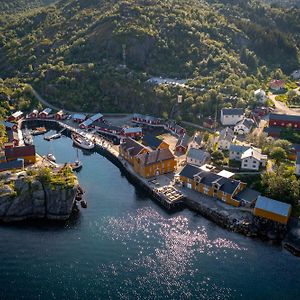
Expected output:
(23, 197)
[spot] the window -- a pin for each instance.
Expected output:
(254, 166)
(246, 160)
(206, 189)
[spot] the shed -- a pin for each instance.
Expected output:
(272, 209)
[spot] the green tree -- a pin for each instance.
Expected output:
(279, 154)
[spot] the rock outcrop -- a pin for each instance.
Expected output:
(21, 199)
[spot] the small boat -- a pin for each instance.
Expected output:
(51, 157)
(76, 166)
(39, 130)
(82, 142)
(27, 137)
(52, 137)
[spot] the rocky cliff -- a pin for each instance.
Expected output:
(23, 197)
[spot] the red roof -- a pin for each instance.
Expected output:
(277, 83)
(18, 152)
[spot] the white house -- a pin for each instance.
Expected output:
(260, 95)
(236, 151)
(296, 74)
(230, 116)
(244, 126)
(252, 159)
(196, 141)
(197, 157)
(298, 164)
(226, 137)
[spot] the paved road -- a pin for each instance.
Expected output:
(281, 107)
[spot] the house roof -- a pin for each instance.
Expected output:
(259, 92)
(246, 122)
(155, 156)
(238, 148)
(283, 117)
(61, 112)
(96, 117)
(132, 146)
(151, 141)
(276, 83)
(132, 129)
(298, 158)
(270, 205)
(198, 154)
(254, 152)
(247, 195)
(46, 111)
(14, 164)
(189, 171)
(9, 124)
(232, 111)
(183, 141)
(226, 134)
(87, 122)
(225, 173)
(17, 114)
(107, 126)
(197, 138)
(18, 152)
(79, 116)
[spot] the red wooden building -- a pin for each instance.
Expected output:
(175, 128)
(148, 120)
(182, 144)
(133, 132)
(16, 116)
(59, 115)
(281, 120)
(45, 113)
(34, 114)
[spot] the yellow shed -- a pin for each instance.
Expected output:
(273, 210)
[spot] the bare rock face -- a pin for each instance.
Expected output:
(33, 200)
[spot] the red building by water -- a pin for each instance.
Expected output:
(281, 120)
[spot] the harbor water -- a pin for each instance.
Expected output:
(125, 246)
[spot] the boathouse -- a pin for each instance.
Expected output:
(133, 132)
(153, 142)
(45, 113)
(78, 118)
(129, 148)
(273, 210)
(106, 128)
(151, 164)
(87, 123)
(211, 184)
(59, 115)
(25, 152)
(10, 125)
(34, 114)
(16, 116)
(147, 120)
(174, 128)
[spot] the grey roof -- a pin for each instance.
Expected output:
(283, 117)
(79, 116)
(247, 195)
(273, 206)
(197, 154)
(132, 146)
(227, 185)
(183, 141)
(151, 141)
(246, 122)
(238, 148)
(197, 139)
(298, 158)
(233, 111)
(189, 171)
(155, 156)
(14, 164)
(226, 134)
(110, 127)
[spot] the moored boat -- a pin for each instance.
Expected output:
(53, 137)
(76, 166)
(27, 137)
(39, 130)
(82, 142)
(51, 157)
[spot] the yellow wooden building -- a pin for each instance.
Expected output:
(129, 148)
(211, 184)
(273, 210)
(150, 164)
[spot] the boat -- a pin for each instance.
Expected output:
(82, 142)
(76, 166)
(39, 130)
(52, 137)
(27, 137)
(51, 157)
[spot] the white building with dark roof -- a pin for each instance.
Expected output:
(197, 157)
(226, 137)
(244, 126)
(230, 116)
(236, 151)
(252, 159)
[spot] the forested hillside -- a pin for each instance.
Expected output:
(73, 52)
(9, 6)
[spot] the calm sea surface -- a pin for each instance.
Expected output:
(124, 246)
